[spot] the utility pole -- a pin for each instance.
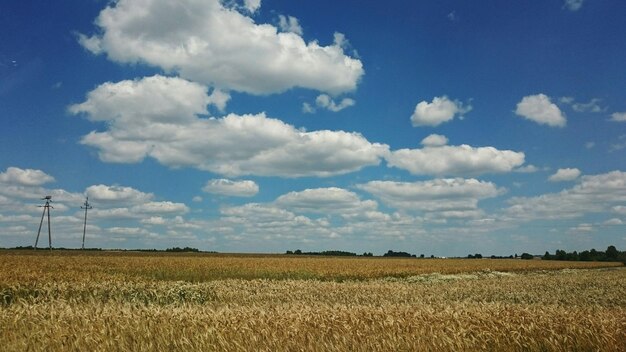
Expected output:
(46, 207)
(86, 206)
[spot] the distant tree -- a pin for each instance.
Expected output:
(560, 255)
(297, 251)
(391, 253)
(289, 252)
(585, 256)
(547, 256)
(526, 256)
(422, 256)
(612, 253)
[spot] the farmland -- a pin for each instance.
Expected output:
(148, 301)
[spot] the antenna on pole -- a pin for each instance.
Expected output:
(46, 207)
(85, 206)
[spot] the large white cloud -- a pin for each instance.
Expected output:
(331, 200)
(225, 187)
(440, 110)
(593, 194)
(205, 41)
(158, 117)
(451, 197)
(25, 177)
(439, 159)
(540, 109)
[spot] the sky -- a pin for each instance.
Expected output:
(433, 127)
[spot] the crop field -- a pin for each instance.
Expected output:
(126, 301)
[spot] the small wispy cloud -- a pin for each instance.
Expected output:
(573, 5)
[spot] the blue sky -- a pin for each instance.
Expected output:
(435, 127)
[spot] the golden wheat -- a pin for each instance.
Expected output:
(105, 302)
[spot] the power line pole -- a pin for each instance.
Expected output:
(86, 206)
(46, 207)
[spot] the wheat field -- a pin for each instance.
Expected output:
(106, 301)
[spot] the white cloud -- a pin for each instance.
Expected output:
(25, 177)
(252, 5)
(618, 117)
(117, 194)
(224, 187)
(219, 99)
(440, 110)
(158, 117)
(593, 194)
(581, 228)
(289, 24)
(160, 208)
(573, 5)
(221, 47)
(307, 108)
(527, 169)
(568, 174)
(435, 140)
(455, 160)
(451, 197)
(128, 231)
(591, 106)
(540, 109)
(613, 222)
(619, 209)
(331, 200)
(326, 102)
(154, 220)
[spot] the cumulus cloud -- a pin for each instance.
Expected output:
(25, 177)
(435, 140)
(450, 197)
(252, 5)
(568, 174)
(540, 109)
(593, 194)
(117, 194)
(225, 187)
(158, 117)
(618, 117)
(291, 217)
(160, 208)
(289, 24)
(436, 159)
(222, 47)
(325, 200)
(613, 222)
(326, 102)
(440, 110)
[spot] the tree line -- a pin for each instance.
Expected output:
(610, 255)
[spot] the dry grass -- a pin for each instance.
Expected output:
(104, 302)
